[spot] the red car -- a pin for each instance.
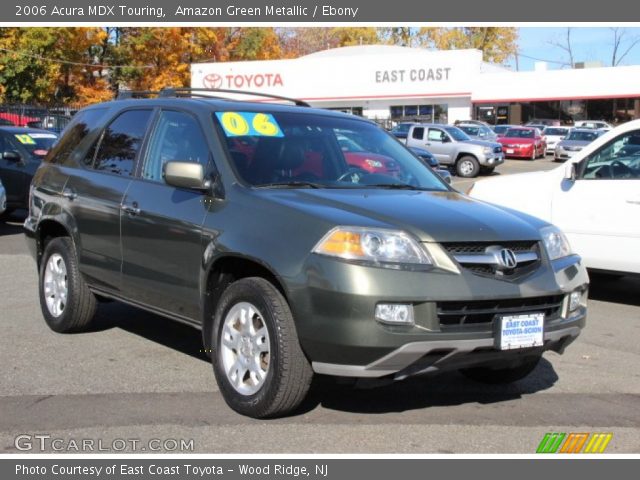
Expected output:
(523, 142)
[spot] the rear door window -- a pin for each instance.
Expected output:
(121, 142)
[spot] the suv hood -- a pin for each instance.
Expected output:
(430, 216)
(482, 143)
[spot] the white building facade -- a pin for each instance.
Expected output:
(388, 83)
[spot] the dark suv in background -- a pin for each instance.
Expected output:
(245, 220)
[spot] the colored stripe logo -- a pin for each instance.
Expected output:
(574, 442)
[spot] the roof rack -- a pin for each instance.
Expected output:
(201, 92)
(125, 94)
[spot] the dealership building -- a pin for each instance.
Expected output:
(388, 83)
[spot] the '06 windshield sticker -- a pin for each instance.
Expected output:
(25, 139)
(238, 124)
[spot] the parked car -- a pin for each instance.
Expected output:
(523, 142)
(452, 147)
(428, 159)
(21, 152)
(359, 157)
(576, 140)
(594, 198)
(6, 123)
(594, 125)
(16, 119)
(3, 198)
(553, 135)
(478, 132)
(53, 123)
(500, 130)
(349, 273)
(543, 122)
(401, 130)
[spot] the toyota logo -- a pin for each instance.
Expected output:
(212, 80)
(506, 259)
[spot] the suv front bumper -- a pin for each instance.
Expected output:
(336, 324)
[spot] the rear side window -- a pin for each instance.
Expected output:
(418, 132)
(121, 142)
(76, 137)
(177, 136)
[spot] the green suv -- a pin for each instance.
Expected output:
(248, 221)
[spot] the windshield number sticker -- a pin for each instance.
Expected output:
(237, 124)
(25, 139)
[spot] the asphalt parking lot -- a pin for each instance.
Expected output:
(139, 376)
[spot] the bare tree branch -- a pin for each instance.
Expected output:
(619, 38)
(565, 46)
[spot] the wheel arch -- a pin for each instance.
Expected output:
(223, 271)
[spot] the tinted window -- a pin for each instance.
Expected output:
(121, 142)
(555, 131)
(298, 150)
(177, 136)
(75, 138)
(418, 132)
(582, 136)
(520, 133)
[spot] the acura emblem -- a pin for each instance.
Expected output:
(506, 259)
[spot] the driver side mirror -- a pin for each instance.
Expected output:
(570, 171)
(186, 175)
(11, 156)
(445, 139)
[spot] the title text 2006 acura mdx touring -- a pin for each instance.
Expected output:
(246, 220)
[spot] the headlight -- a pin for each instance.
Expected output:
(373, 163)
(555, 243)
(487, 150)
(379, 247)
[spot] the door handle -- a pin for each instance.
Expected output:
(130, 209)
(633, 201)
(427, 143)
(69, 194)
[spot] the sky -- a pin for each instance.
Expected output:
(588, 44)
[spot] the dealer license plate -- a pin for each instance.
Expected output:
(509, 150)
(521, 331)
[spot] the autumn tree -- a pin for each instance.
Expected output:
(496, 43)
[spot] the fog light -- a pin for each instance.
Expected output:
(574, 300)
(394, 313)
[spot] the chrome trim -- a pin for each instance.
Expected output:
(407, 354)
(489, 258)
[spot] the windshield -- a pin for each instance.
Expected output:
(37, 144)
(520, 133)
(555, 131)
(457, 134)
(473, 131)
(500, 128)
(298, 150)
(582, 136)
(402, 127)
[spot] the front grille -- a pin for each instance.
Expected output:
(484, 311)
(467, 248)
(497, 150)
(475, 257)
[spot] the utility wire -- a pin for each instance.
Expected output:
(55, 60)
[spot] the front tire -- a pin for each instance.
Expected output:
(259, 365)
(67, 303)
(467, 167)
(502, 376)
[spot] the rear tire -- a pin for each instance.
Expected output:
(67, 303)
(259, 365)
(501, 376)
(534, 153)
(467, 167)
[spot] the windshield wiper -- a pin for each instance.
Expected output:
(391, 186)
(291, 184)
